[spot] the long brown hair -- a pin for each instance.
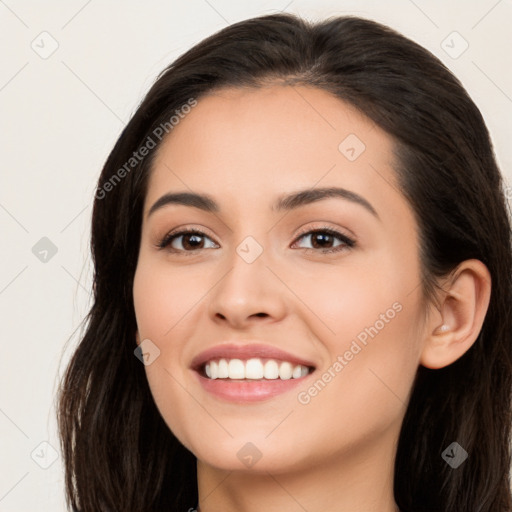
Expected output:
(118, 452)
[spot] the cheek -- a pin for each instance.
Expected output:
(162, 297)
(364, 390)
(352, 295)
(372, 312)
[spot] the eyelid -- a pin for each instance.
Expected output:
(325, 227)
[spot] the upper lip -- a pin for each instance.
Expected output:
(248, 351)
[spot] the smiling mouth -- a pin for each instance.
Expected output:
(253, 369)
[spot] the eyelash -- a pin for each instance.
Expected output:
(348, 243)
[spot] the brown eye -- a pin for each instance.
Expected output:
(324, 240)
(190, 241)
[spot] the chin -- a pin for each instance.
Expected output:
(247, 454)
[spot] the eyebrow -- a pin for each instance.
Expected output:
(286, 202)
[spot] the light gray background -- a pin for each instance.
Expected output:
(60, 116)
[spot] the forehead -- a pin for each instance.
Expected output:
(250, 145)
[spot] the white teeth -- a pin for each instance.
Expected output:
(285, 370)
(214, 371)
(271, 370)
(223, 369)
(236, 369)
(254, 369)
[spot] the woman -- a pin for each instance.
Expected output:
(302, 286)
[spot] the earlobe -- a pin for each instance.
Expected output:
(463, 306)
(137, 338)
(441, 329)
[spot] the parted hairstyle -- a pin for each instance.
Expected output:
(120, 455)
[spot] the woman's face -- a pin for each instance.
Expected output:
(259, 276)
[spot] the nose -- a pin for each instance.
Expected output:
(248, 293)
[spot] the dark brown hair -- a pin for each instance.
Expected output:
(121, 456)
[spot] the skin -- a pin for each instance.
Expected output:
(245, 148)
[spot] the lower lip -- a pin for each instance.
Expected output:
(243, 391)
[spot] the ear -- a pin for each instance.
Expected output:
(137, 338)
(464, 301)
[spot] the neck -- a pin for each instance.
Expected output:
(348, 482)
